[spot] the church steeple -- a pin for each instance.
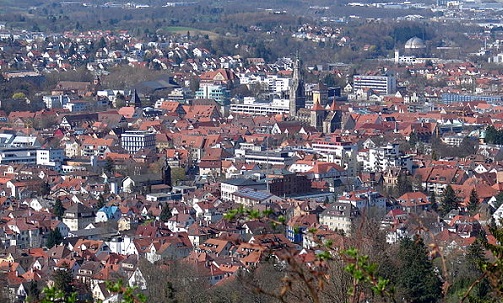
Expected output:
(297, 93)
(135, 100)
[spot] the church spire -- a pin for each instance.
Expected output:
(135, 100)
(297, 93)
(333, 107)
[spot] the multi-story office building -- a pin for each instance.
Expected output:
(52, 157)
(381, 84)
(250, 107)
(133, 141)
(219, 93)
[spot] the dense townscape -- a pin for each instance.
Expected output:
(193, 163)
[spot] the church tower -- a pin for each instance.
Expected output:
(317, 115)
(297, 90)
(135, 100)
(333, 120)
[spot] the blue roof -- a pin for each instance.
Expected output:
(109, 210)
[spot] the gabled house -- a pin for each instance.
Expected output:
(108, 214)
(414, 202)
(78, 216)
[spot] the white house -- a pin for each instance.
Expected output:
(108, 213)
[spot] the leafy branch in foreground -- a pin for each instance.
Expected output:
(492, 269)
(126, 294)
(364, 271)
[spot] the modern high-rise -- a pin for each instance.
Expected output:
(133, 141)
(380, 84)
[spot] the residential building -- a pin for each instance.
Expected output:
(78, 216)
(57, 101)
(380, 159)
(342, 153)
(339, 217)
(364, 199)
(228, 187)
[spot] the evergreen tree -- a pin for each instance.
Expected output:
(109, 165)
(404, 184)
(58, 209)
(33, 292)
(416, 277)
(474, 201)
(63, 280)
(449, 200)
(413, 139)
(165, 213)
(433, 198)
(101, 202)
(45, 189)
(54, 238)
(434, 156)
(433, 201)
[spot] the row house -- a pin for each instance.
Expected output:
(21, 233)
(364, 199)
(94, 146)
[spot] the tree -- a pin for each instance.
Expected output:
(413, 139)
(120, 100)
(45, 189)
(101, 202)
(63, 280)
(177, 174)
(404, 184)
(19, 96)
(489, 281)
(165, 213)
(416, 277)
(433, 201)
(473, 202)
(449, 201)
(54, 238)
(58, 209)
(109, 165)
(33, 292)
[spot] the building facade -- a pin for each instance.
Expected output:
(133, 141)
(381, 84)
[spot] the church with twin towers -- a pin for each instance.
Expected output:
(323, 115)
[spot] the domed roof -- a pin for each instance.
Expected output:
(415, 43)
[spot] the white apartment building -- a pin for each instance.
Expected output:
(379, 159)
(58, 101)
(338, 152)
